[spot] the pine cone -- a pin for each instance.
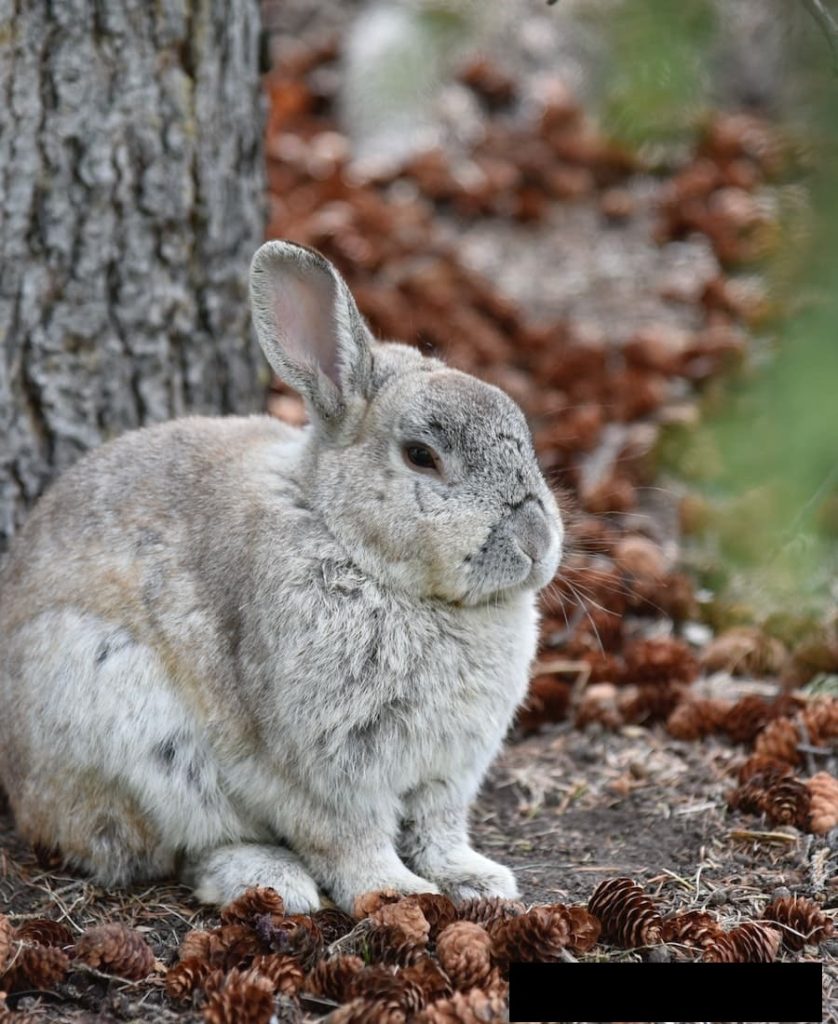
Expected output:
(368, 902)
(800, 920)
(252, 903)
(241, 999)
(379, 984)
(35, 966)
(116, 949)
(744, 650)
(823, 790)
(45, 932)
(304, 939)
(464, 950)
(599, 707)
(629, 917)
(649, 702)
(196, 944)
(6, 933)
(748, 716)
(695, 718)
(184, 978)
(489, 910)
(284, 972)
(584, 928)
(538, 935)
(362, 1011)
(333, 923)
(659, 660)
(748, 943)
(407, 916)
(768, 769)
(389, 946)
(433, 982)
(820, 718)
(332, 978)
(694, 928)
(787, 802)
(439, 911)
(778, 740)
(233, 945)
(474, 1007)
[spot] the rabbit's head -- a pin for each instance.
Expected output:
(425, 475)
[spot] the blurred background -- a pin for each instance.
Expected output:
(623, 213)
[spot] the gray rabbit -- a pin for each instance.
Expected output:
(275, 656)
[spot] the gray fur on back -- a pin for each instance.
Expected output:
(286, 655)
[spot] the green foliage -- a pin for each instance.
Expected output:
(658, 77)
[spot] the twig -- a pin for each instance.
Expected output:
(768, 837)
(827, 24)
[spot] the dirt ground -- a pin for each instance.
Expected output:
(564, 808)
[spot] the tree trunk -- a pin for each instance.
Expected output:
(131, 201)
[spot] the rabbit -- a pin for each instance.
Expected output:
(248, 653)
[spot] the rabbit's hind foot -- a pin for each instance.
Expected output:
(225, 872)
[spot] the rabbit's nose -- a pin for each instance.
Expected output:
(532, 530)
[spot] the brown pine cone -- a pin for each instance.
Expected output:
(538, 935)
(35, 966)
(649, 702)
(778, 740)
(241, 999)
(407, 916)
(362, 1011)
(195, 945)
(184, 978)
(695, 718)
(304, 939)
(751, 942)
(233, 945)
(252, 903)
(787, 802)
(332, 978)
(6, 934)
(116, 949)
(389, 946)
(433, 982)
(629, 917)
(489, 910)
(45, 932)
(598, 706)
(659, 660)
(439, 911)
(823, 790)
(284, 972)
(800, 920)
(744, 650)
(380, 984)
(333, 923)
(464, 950)
(694, 928)
(585, 929)
(474, 1007)
(749, 797)
(820, 719)
(368, 902)
(768, 769)
(748, 716)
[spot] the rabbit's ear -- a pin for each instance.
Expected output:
(310, 329)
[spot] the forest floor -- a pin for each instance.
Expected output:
(609, 297)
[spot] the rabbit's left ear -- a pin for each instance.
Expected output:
(310, 329)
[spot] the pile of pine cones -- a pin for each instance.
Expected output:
(425, 958)
(39, 953)
(422, 958)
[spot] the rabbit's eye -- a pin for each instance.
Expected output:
(420, 456)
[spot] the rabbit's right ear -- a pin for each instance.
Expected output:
(310, 329)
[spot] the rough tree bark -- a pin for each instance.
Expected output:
(131, 200)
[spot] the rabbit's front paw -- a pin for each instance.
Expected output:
(467, 875)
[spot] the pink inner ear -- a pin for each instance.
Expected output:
(304, 308)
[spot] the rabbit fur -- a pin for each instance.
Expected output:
(264, 655)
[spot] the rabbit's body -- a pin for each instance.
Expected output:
(211, 642)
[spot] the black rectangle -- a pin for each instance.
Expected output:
(665, 992)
